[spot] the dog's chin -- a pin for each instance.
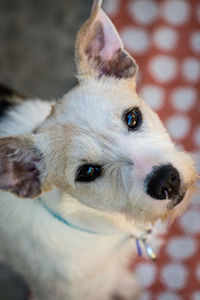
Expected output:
(174, 207)
(177, 206)
(177, 200)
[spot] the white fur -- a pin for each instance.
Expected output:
(62, 263)
(24, 118)
(61, 256)
(96, 133)
(54, 258)
(87, 126)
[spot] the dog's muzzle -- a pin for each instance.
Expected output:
(164, 183)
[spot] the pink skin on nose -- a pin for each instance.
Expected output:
(142, 167)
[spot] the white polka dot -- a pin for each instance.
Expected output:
(145, 296)
(179, 147)
(153, 96)
(196, 157)
(143, 11)
(198, 273)
(166, 38)
(191, 69)
(195, 41)
(174, 276)
(146, 274)
(176, 11)
(181, 248)
(197, 136)
(196, 296)
(195, 199)
(196, 196)
(163, 68)
(135, 39)
(198, 18)
(178, 126)
(168, 296)
(138, 77)
(111, 7)
(184, 98)
(190, 222)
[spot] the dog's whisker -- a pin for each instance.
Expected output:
(166, 194)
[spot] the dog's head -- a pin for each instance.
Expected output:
(102, 143)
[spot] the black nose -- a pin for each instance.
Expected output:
(163, 182)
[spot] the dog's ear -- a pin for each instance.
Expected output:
(100, 51)
(20, 166)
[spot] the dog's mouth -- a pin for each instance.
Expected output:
(177, 200)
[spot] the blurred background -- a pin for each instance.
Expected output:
(36, 58)
(37, 44)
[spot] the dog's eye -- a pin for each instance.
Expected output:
(133, 118)
(88, 173)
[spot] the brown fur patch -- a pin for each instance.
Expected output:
(89, 43)
(121, 65)
(19, 167)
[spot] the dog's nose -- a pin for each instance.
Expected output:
(163, 182)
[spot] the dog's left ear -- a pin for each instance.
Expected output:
(100, 51)
(21, 166)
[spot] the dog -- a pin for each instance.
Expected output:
(85, 175)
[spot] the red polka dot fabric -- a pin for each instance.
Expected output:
(164, 38)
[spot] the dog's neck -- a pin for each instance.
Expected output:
(83, 219)
(65, 207)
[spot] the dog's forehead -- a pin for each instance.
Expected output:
(97, 103)
(92, 118)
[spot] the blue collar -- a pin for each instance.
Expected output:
(63, 220)
(138, 240)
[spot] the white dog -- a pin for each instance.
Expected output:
(110, 163)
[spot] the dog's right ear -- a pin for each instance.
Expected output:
(100, 51)
(21, 166)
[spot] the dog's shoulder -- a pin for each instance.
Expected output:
(19, 114)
